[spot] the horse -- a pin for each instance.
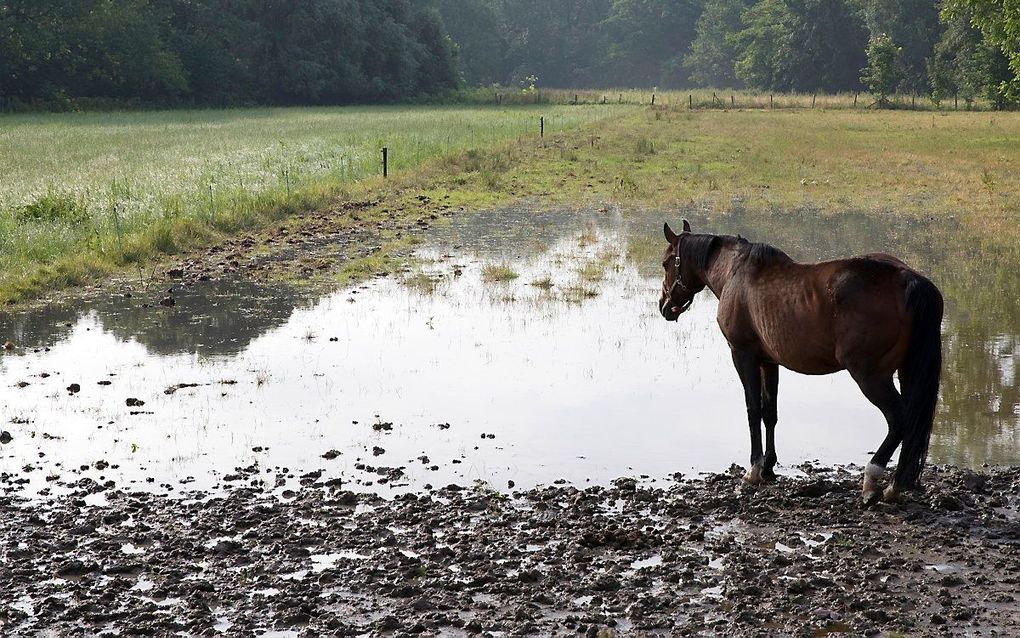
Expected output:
(871, 315)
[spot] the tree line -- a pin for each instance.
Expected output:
(222, 52)
(941, 48)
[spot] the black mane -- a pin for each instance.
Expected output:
(759, 254)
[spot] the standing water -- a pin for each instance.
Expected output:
(525, 348)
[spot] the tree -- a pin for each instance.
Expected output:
(914, 26)
(800, 45)
(882, 73)
(966, 64)
(713, 54)
(999, 22)
(647, 41)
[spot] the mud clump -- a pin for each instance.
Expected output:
(686, 557)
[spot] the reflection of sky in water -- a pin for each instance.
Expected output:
(571, 387)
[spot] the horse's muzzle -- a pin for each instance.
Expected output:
(669, 311)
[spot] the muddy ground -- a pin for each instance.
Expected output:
(685, 556)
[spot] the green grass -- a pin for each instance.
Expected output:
(83, 194)
(498, 273)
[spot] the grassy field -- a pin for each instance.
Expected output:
(954, 165)
(82, 194)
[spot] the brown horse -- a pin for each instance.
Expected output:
(872, 316)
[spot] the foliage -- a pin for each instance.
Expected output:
(966, 64)
(882, 73)
(800, 45)
(999, 22)
(222, 51)
(713, 55)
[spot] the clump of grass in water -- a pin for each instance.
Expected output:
(422, 283)
(498, 273)
(578, 293)
(545, 283)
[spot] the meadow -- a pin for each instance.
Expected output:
(86, 194)
(83, 194)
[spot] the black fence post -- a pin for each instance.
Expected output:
(690, 100)
(733, 102)
(653, 99)
(855, 100)
(770, 100)
(385, 162)
(541, 126)
(813, 100)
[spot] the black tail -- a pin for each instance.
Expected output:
(919, 378)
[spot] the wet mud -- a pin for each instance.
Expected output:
(683, 556)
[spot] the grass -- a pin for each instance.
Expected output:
(958, 165)
(498, 273)
(86, 194)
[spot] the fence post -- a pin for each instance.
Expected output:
(770, 100)
(956, 101)
(653, 99)
(541, 126)
(733, 102)
(690, 100)
(385, 162)
(855, 100)
(813, 100)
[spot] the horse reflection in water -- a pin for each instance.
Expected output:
(872, 316)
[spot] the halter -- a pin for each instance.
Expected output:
(679, 281)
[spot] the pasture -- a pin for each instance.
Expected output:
(83, 194)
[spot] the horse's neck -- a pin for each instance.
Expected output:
(721, 267)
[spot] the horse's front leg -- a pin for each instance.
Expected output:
(748, 367)
(770, 416)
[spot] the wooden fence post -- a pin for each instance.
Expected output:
(813, 100)
(541, 126)
(385, 162)
(653, 99)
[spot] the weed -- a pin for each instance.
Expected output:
(55, 207)
(544, 283)
(498, 273)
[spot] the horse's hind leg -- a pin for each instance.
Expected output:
(750, 376)
(770, 416)
(881, 392)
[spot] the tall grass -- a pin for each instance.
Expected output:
(78, 189)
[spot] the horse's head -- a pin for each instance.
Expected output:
(678, 284)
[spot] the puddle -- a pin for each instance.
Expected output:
(465, 374)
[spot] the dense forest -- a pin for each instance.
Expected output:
(221, 52)
(922, 47)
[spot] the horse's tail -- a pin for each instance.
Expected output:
(919, 378)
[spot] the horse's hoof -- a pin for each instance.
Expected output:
(891, 494)
(871, 497)
(769, 476)
(754, 475)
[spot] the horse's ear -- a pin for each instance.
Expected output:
(687, 226)
(671, 237)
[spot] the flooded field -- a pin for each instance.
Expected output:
(522, 348)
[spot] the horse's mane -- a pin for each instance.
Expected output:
(699, 249)
(759, 254)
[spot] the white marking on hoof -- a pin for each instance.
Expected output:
(872, 475)
(753, 476)
(891, 494)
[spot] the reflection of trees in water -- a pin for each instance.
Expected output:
(978, 420)
(211, 319)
